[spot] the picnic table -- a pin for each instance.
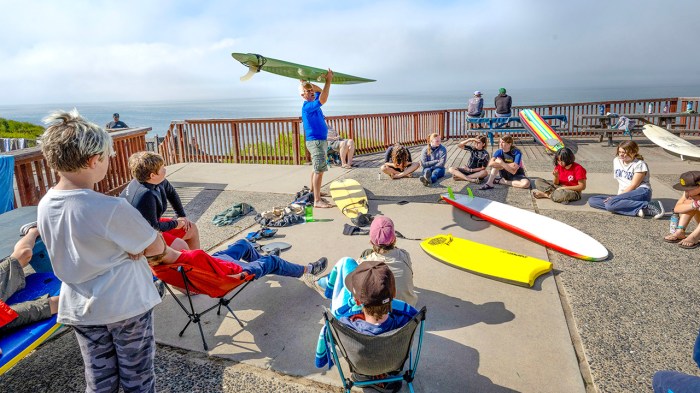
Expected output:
(603, 124)
(500, 124)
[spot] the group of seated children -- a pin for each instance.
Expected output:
(505, 167)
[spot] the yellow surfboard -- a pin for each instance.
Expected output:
(350, 197)
(485, 260)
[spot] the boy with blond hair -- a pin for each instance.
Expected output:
(149, 192)
(96, 245)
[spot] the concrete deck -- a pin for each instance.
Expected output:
(604, 326)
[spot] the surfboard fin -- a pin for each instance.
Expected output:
(251, 71)
(470, 193)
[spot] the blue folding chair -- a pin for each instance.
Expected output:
(382, 357)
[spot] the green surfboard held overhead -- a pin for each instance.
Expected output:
(257, 63)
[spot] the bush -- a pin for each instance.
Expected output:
(19, 129)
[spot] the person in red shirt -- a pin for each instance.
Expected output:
(569, 179)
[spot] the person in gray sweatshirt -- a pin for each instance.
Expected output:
(432, 159)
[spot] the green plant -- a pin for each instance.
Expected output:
(19, 129)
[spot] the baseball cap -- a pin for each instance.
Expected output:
(371, 283)
(477, 93)
(381, 232)
(688, 181)
(115, 115)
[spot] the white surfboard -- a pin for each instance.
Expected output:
(538, 228)
(670, 142)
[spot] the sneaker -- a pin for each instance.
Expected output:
(24, 229)
(424, 180)
(311, 281)
(274, 252)
(316, 268)
(655, 209)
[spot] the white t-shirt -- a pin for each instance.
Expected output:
(87, 236)
(624, 173)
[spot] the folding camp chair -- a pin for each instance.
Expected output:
(199, 281)
(384, 354)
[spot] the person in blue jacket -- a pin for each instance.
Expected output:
(432, 159)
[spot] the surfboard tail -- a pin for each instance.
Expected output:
(251, 72)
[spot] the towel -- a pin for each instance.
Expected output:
(7, 174)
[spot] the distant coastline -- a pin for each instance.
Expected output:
(158, 115)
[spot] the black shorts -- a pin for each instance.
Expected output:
(519, 175)
(467, 171)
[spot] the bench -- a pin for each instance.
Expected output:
(500, 124)
(609, 132)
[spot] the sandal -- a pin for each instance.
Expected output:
(672, 238)
(689, 246)
(486, 187)
(346, 166)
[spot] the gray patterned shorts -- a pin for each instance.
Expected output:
(119, 353)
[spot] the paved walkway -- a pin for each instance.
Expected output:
(587, 326)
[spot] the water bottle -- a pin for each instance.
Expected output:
(309, 212)
(673, 223)
(601, 109)
(651, 108)
(689, 107)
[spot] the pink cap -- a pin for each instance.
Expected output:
(381, 232)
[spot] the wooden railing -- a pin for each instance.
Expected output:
(280, 140)
(33, 177)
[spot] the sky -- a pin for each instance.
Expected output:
(133, 50)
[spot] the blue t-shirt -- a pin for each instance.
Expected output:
(509, 157)
(315, 127)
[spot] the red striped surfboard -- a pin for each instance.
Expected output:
(541, 130)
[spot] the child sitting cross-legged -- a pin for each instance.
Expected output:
(475, 170)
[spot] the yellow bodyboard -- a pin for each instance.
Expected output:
(485, 260)
(350, 197)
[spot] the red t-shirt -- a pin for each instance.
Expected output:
(571, 176)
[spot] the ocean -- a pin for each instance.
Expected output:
(159, 115)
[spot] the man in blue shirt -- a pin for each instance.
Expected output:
(316, 133)
(116, 123)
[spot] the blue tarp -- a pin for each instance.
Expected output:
(7, 174)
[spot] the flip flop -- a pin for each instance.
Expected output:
(673, 239)
(486, 187)
(323, 205)
(257, 235)
(689, 247)
(271, 246)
